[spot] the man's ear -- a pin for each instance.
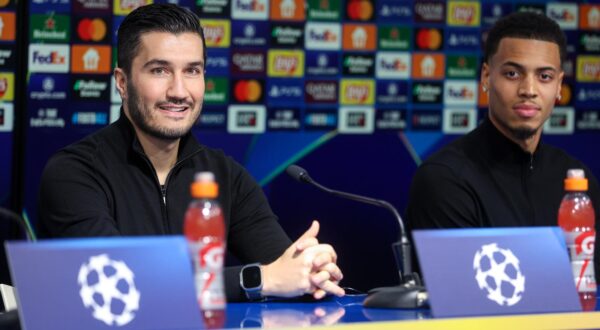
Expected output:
(485, 77)
(121, 82)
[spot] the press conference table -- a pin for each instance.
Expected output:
(348, 313)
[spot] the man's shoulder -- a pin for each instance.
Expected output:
(453, 155)
(86, 150)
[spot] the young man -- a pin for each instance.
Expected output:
(133, 177)
(501, 174)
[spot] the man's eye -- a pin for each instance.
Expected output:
(158, 71)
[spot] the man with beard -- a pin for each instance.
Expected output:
(501, 174)
(133, 177)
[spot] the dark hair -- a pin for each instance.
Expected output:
(153, 18)
(525, 25)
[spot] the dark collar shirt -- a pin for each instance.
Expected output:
(105, 185)
(483, 179)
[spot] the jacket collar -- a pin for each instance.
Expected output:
(500, 148)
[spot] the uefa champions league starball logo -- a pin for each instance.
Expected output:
(498, 273)
(107, 287)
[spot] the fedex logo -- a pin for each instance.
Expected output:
(250, 9)
(48, 58)
(325, 36)
(565, 14)
(51, 58)
(393, 65)
(252, 5)
(460, 92)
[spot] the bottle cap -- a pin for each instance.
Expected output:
(204, 186)
(576, 180)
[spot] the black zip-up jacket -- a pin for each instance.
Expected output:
(104, 185)
(483, 179)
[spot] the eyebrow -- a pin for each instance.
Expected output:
(522, 68)
(167, 63)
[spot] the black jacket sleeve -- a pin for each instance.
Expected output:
(439, 198)
(72, 202)
(255, 235)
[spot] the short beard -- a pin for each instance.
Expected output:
(518, 133)
(522, 133)
(141, 117)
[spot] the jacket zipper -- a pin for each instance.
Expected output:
(166, 185)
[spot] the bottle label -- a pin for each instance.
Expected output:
(208, 258)
(581, 251)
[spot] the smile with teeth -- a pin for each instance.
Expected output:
(174, 108)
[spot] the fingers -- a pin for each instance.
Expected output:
(334, 271)
(322, 280)
(302, 244)
(313, 231)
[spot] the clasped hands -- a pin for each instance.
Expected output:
(305, 267)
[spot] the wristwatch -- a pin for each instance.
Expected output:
(251, 281)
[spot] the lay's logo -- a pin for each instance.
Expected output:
(217, 33)
(286, 63)
(355, 91)
(7, 86)
(588, 68)
(124, 7)
(464, 13)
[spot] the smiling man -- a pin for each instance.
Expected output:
(501, 174)
(133, 177)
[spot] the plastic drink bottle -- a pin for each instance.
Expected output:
(204, 229)
(576, 217)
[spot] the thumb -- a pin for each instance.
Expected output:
(311, 233)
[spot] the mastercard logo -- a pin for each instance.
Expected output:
(247, 91)
(359, 10)
(430, 39)
(91, 29)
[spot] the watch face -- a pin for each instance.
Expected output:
(251, 276)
